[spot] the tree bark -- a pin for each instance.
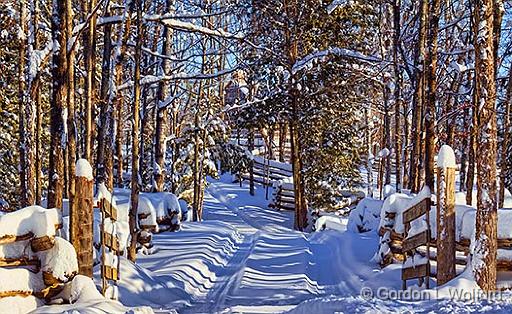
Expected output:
(397, 96)
(71, 131)
(135, 187)
(105, 150)
(505, 143)
(250, 146)
(418, 103)
(162, 108)
(26, 107)
(430, 114)
(58, 103)
(117, 99)
(484, 254)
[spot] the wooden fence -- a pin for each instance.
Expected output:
(109, 246)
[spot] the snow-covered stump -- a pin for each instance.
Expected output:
(445, 218)
(82, 218)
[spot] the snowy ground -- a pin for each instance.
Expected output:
(246, 258)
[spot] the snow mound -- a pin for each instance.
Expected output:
(85, 298)
(366, 216)
(331, 222)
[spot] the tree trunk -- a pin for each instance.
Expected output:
(282, 141)
(196, 162)
(26, 107)
(135, 187)
(506, 139)
(418, 103)
(58, 103)
(124, 34)
(397, 96)
(36, 98)
(162, 111)
(484, 254)
(71, 131)
(430, 114)
(105, 154)
(89, 43)
(464, 157)
(250, 146)
(471, 154)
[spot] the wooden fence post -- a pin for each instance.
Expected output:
(445, 215)
(82, 217)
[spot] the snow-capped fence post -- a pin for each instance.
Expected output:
(82, 217)
(445, 215)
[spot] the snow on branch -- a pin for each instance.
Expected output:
(191, 27)
(153, 79)
(341, 52)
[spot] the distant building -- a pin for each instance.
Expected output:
(236, 90)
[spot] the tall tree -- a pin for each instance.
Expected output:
(418, 99)
(58, 104)
(484, 254)
(162, 106)
(431, 83)
(135, 181)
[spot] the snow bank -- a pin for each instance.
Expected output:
(36, 219)
(331, 222)
(85, 299)
(446, 157)
(60, 261)
(83, 169)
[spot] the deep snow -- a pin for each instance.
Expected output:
(246, 258)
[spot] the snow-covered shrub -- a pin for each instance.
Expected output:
(366, 216)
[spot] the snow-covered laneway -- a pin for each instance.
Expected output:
(246, 258)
